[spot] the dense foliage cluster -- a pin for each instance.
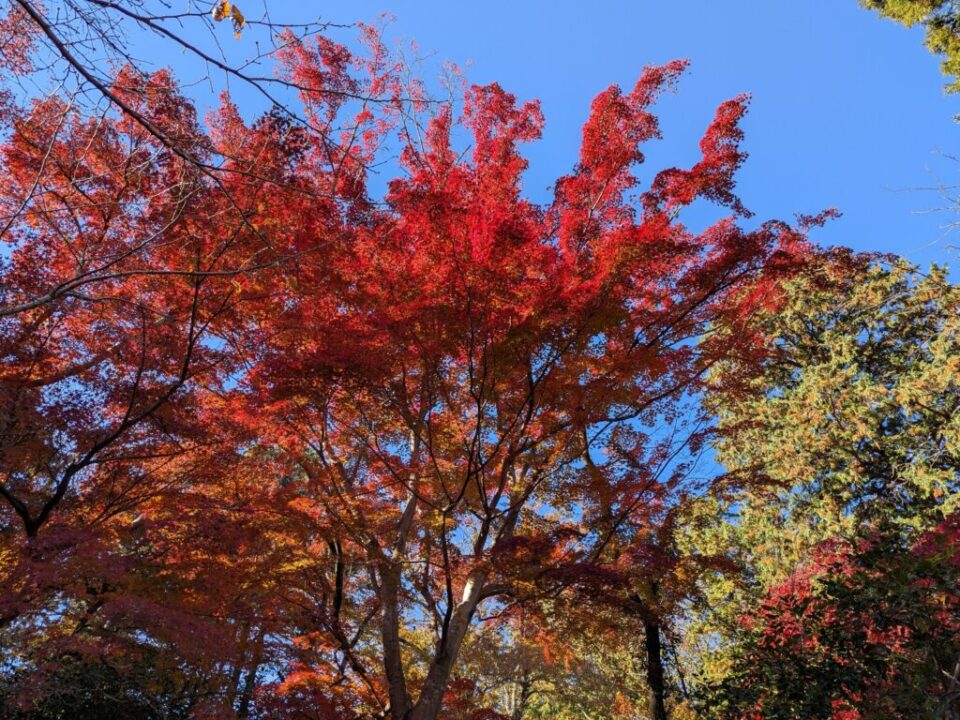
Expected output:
(848, 606)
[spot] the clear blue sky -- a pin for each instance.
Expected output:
(848, 109)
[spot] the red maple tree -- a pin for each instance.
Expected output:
(458, 383)
(333, 426)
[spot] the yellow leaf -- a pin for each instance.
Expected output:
(225, 9)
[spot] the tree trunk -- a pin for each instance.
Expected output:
(438, 677)
(237, 673)
(656, 709)
(523, 696)
(390, 636)
(250, 680)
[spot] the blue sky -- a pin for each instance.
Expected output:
(848, 109)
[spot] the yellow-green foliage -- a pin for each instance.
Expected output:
(855, 413)
(596, 675)
(851, 425)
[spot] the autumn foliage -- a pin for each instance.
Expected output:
(273, 445)
(866, 631)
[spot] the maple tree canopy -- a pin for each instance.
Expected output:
(273, 446)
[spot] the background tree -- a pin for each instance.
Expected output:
(851, 426)
(525, 670)
(861, 631)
